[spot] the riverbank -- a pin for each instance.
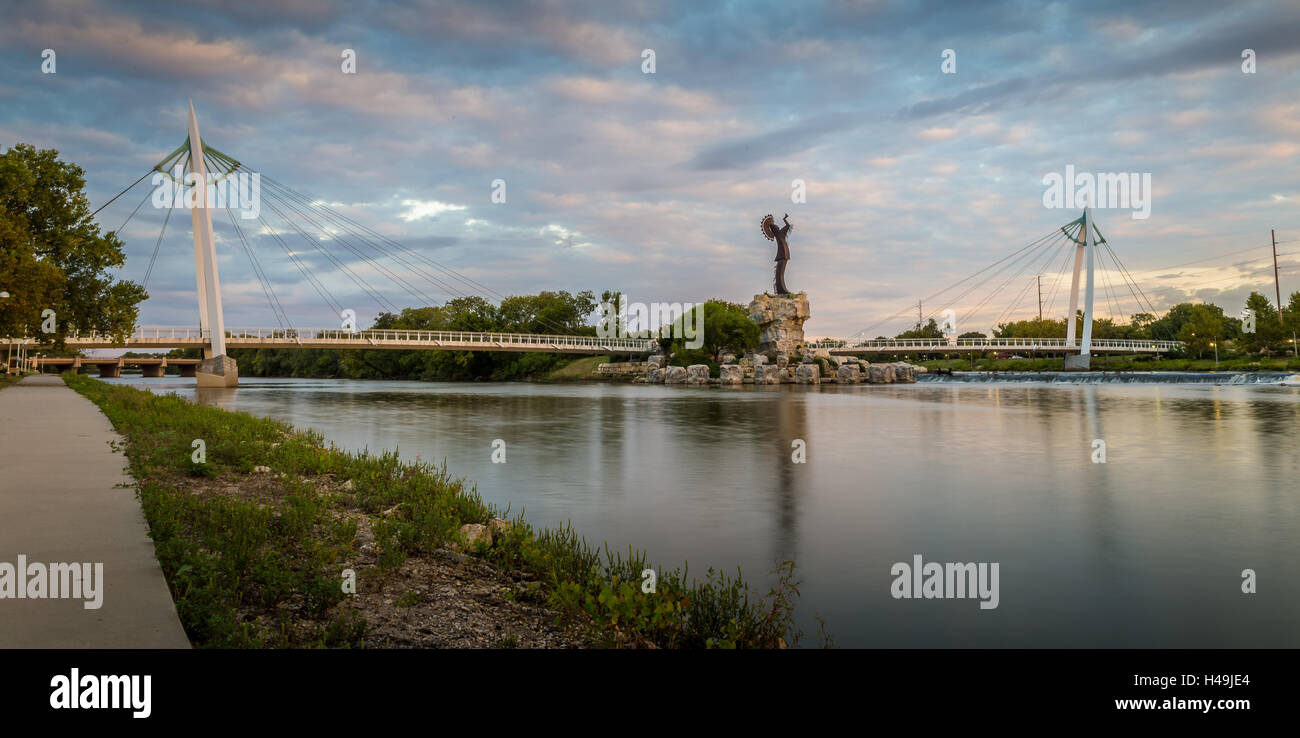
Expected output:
(257, 537)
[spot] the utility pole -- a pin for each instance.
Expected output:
(1040, 298)
(1277, 285)
(919, 319)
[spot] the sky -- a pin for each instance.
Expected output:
(653, 184)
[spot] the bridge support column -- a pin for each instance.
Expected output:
(110, 371)
(1083, 360)
(187, 370)
(216, 369)
(152, 370)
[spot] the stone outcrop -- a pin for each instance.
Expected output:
(697, 374)
(654, 375)
(808, 374)
(675, 375)
(848, 374)
(767, 374)
(731, 374)
(780, 321)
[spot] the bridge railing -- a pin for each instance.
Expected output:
(487, 340)
(936, 344)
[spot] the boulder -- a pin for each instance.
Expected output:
(675, 375)
(654, 375)
(697, 374)
(767, 374)
(782, 359)
(905, 373)
(476, 533)
(876, 374)
(848, 374)
(808, 374)
(806, 359)
(731, 374)
(498, 527)
(728, 358)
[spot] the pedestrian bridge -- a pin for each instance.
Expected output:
(108, 367)
(854, 347)
(253, 338)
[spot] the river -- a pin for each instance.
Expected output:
(1200, 481)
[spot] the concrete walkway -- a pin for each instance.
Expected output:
(59, 503)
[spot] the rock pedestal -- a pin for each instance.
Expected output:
(780, 321)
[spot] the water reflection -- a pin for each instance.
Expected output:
(1146, 549)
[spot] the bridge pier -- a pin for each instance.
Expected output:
(187, 370)
(1078, 362)
(152, 370)
(110, 371)
(217, 371)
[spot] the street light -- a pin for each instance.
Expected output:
(1216, 355)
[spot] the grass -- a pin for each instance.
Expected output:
(8, 379)
(255, 559)
(578, 369)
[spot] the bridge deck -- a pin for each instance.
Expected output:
(161, 337)
(981, 345)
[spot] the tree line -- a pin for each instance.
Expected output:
(1201, 326)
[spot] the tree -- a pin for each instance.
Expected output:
(929, 330)
(1045, 328)
(1291, 320)
(53, 256)
(1203, 327)
(727, 327)
(1268, 327)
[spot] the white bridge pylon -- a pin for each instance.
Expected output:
(1083, 251)
(211, 320)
